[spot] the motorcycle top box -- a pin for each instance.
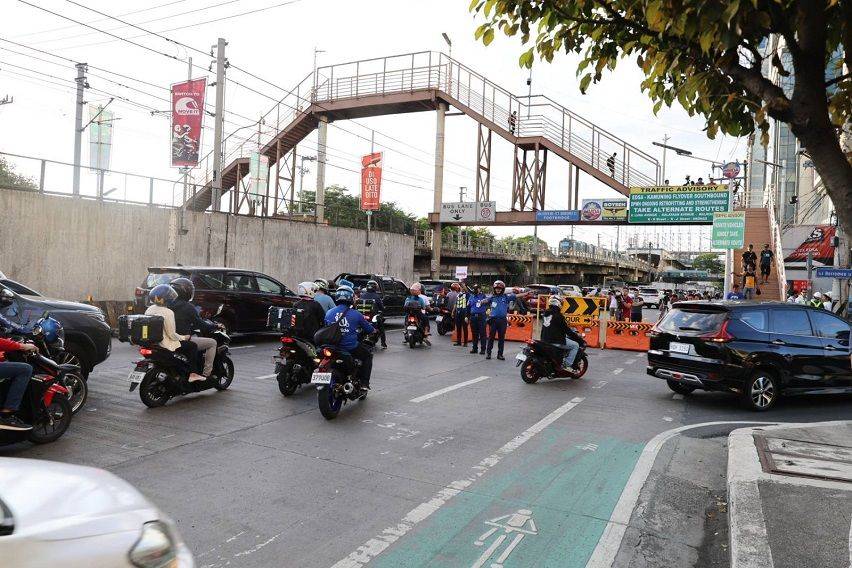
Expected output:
(140, 329)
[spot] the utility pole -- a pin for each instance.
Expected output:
(78, 125)
(219, 123)
(666, 139)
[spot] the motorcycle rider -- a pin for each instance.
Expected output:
(309, 313)
(187, 321)
(556, 331)
(478, 308)
(321, 295)
(20, 375)
(353, 322)
(160, 297)
(460, 314)
(416, 295)
(498, 317)
(371, 292)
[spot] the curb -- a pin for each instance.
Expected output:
(747, 536)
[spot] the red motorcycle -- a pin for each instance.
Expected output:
(45, 404)
(540, 359)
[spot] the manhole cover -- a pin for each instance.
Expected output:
(805, 459)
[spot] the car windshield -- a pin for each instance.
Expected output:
(18, 288)
(536, 290)
(692, 321)
(157, 278)
(648, 290)
(359, 281)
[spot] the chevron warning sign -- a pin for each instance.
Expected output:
(575, 306)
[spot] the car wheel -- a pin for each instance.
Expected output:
(679, 387)
(761, 391)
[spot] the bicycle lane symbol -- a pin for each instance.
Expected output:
(520, 523)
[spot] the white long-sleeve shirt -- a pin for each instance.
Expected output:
(171, 339)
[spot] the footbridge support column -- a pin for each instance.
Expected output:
(435, 265)
(322, 140)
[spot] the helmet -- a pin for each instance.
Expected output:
(415, 288)
(817, 295)
(6, 297)
(164, 293)
(307, 289)
(554, 301)
(455, 286)
(476, 288)
(499, 284)
(184, 287)
(345, 282)
(322, 284)
(51, 328)
(372, 286)
(344, 294)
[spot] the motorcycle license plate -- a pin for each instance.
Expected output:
(321, 379)
(520, 357)
(411, 328)
(439, 319)
(136, 377)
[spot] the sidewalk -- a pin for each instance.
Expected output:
(790, 495)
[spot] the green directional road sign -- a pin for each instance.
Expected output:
(728, 230)
(677, 204)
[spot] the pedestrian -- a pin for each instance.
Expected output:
(613, 305)
(688, 181)
(610, 163)
(800, 298)
(735, 293)
(636, 310)
(827, 303)
(750, 288)
(478, 308)
(513, 121)
(498, 321)
(749, 258)
(666, 182)
(700, 181)
(766, 258)
(626, 305)
(460, 315)
(817, 300)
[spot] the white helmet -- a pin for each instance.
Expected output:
(555, 301)
(817, 295)
(307, 289)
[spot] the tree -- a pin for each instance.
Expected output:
(708, 56)
(343, 210)
(709, 262)
(10, 180)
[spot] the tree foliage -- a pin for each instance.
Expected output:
(710, 57)
(10, 180)
(709, 262)
(342, 209)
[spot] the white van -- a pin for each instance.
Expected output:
(651, 296)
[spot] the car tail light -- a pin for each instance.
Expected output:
(145, 352)
(326, 352)
(721, 336)
(287, 340)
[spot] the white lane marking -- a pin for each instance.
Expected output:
(272, 376)
(850, 545)
(610, 541)
(600, 384)
(241, 347)
(677, 396)
(450, 388)
(378, 544)
(617, 371)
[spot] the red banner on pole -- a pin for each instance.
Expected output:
(818, 243)
(187, 121)
(371, 182)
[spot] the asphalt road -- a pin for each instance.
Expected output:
(494, 472)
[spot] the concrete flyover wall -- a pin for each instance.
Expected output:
(70, 248)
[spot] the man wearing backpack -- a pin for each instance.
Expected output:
(350, 322)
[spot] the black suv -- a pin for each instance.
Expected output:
(758, 350)
(244, 296)
(393, 290)
(87, 334)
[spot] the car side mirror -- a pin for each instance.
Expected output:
(843, 337)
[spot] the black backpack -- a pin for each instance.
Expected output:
(330, 334)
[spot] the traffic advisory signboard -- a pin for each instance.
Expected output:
(677, 204)
(728, 230)
(578, 310)
(468, 212)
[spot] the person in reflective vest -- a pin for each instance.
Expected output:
(460, 314)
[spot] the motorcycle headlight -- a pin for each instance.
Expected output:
(155, 548)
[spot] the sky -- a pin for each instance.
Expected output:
(277, 43)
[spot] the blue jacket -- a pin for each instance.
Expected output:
(380, 306)
(472, 301)
(7, 326)
(325, 301)
(499, 304)
(417, 299)
(354, 321)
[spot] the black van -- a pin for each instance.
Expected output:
(758, 350)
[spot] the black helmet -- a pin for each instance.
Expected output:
(184, 287)
(6, 297)
(372, 286)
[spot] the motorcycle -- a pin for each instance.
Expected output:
(543, 360)
(414, 331)
(444, 321)
(294, 364)
(336, 380)
(45, 405)
(164, 374)
(376, 318)
(74, 381)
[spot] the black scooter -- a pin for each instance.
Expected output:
(295, 363)
(164, 374)
(415, 333)
(543, 360)
(45, 405)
